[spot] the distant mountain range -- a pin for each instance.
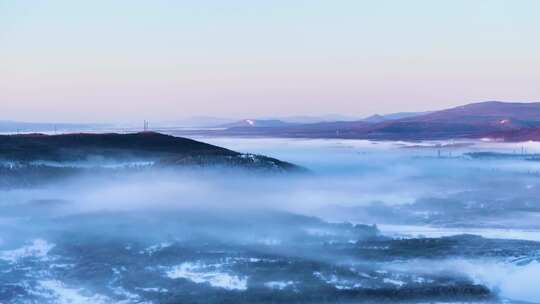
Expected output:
(265, 123)
(303, 120)
(316, 119)
(221, 122)
(508, 121)
(380, 118)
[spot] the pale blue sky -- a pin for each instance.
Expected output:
(160, 60)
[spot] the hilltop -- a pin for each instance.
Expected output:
(160, 149)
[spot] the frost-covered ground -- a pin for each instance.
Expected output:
(429, 224)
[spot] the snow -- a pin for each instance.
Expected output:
(394, 282)
(210, 274)
(153, 289)
(338, 283)
(155, 248)
(280, 285)
(56, 292)
(39, 248)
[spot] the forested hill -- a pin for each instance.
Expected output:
(164, 150)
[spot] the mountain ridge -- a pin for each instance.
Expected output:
(490, 119)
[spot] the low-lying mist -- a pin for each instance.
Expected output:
(350, 230)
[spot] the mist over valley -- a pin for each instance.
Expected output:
(89, 220)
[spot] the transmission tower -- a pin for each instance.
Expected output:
(145, 128)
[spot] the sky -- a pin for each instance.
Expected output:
(107, 61)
